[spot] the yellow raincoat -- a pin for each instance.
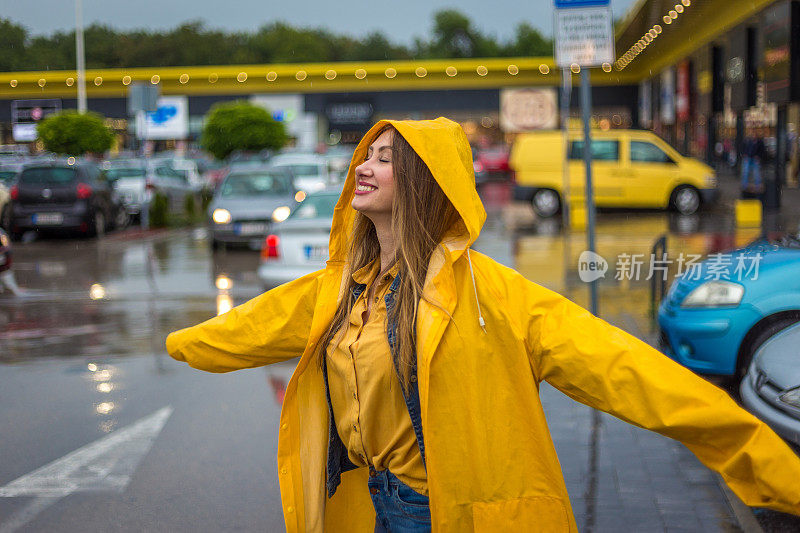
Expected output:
(490, 459)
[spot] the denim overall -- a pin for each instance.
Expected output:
(338, 462)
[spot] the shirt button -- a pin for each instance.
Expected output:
(285, 426)
(413, 378)
(290, 509)
(355, 428)
(284, 471)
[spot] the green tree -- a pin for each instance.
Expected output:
(12, 46)
(529, 42)
(73, 133)
(241, 126)
(454, 37)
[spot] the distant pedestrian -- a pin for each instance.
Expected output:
(415, 403)
(753, 153)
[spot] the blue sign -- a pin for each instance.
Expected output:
(566, 4)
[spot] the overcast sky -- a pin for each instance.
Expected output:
(400, 20)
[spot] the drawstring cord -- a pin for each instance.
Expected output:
(481, 321)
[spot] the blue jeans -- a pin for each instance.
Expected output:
(398, 507)
(751, 164)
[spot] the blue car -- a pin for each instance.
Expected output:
(717, 313)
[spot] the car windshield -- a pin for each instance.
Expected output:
(6, 176)
(255, 184)
(49, 175)
(125, 173)
(304, 170)
(316, 206)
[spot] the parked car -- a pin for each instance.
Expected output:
(8, 171)
(60, 196)
(247, 203)
(713, 320)
(630, 168)
(494, 161)
(771, 390)
(310, 171)
(187, 168)
(481, 176)
(299, 245)
(134, 178)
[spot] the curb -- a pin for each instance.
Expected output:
(744, 515)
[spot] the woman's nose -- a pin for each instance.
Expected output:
(362, 169)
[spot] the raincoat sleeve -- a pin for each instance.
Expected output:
(270, 328)
(604, 367)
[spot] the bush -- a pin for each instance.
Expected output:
(159, 211)
(241, 126)
(73, 133)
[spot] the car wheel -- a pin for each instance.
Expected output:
(98, 228)
(546, 203)
(686, 200)
(761, 335)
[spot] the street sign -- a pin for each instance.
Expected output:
(584, 36)
(170, 120)
(528, 109)
(26, 114)
(142, 97)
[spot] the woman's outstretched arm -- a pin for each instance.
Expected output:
(269, 328)
(604, 367)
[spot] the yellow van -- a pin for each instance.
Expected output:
(630, 168)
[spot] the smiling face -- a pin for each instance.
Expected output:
(374, 194)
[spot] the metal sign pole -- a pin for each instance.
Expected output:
(80, 56)
(586, 111)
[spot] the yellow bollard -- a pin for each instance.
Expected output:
(577, 214)
(748, 213)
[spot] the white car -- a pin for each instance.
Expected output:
(311, 171)
(299, 245)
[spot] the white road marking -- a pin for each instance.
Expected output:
(105, 464)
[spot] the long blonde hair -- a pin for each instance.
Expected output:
(421, 214)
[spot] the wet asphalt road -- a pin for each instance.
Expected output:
(82, 357)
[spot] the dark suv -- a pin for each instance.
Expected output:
(63, 197)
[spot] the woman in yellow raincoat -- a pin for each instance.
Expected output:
(472, 439)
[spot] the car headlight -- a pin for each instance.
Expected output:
(221, 216)
(710, 181)
(791, 397)
(714, 294)
(281, 213)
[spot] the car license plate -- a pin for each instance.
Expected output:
(249, 228)
(48, 218)
(316, 252)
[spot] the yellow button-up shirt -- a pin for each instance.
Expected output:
(368, 406)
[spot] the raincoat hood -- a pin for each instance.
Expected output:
(444, 148)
